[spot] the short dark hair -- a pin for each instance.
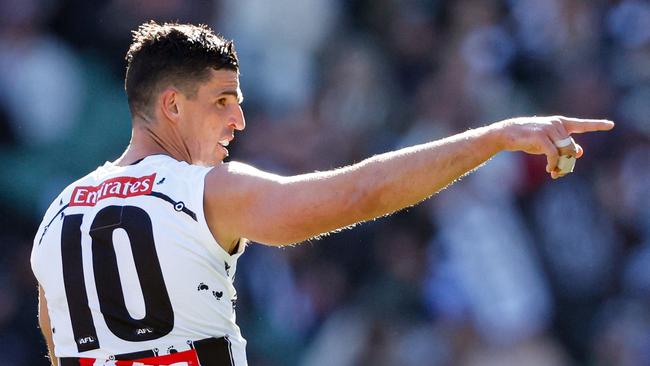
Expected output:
(176, 54)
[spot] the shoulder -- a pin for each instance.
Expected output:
(236, 171)
(63, 198)
(235, 182)
(233, 193)
(60, 203)
(233, 167)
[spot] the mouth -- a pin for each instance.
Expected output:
(223, 144)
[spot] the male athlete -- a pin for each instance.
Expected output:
(135, 261)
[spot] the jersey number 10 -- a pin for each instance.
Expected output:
(159, 316)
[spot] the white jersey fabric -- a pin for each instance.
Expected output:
(127, 263)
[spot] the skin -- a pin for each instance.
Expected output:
(44, 324)
(244, 202)
(241, 201)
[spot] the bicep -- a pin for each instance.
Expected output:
(276, 210)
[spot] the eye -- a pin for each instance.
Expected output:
(222, 101)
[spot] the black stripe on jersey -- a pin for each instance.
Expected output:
(214, 352)
(50, 223)
(138, 161)
(135, 355)
(83, 328)
(178, 206)
(68, 361)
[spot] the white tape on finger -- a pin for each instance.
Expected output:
(564, 142)
(566, 163)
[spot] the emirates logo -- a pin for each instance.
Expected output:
(115, 187)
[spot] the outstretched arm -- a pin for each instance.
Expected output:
(44, 323)
(241, 201)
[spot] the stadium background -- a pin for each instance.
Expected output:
(505, 268)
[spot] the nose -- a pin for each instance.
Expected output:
(237, 120)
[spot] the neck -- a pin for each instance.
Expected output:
(154, 137)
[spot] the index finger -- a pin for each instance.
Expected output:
(579, 125)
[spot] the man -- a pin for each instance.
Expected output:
(135, 261)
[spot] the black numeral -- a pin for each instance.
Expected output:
(83, 327)
(159, 316)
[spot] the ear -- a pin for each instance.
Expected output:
(169, 104)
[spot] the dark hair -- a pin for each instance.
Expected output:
(176, 54)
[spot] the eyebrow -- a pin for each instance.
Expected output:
(239, 96)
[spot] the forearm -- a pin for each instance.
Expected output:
(50, 349)
(385, 183)
(391, 181)
(44, 323)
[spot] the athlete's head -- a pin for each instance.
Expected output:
(187, 78)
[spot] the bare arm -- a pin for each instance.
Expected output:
(242, 201)
(44, 323)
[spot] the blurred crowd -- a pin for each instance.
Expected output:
(506, 267)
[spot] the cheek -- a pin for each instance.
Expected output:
(193, 121)
(211, 127)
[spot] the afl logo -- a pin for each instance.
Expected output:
(143, 331)
(86, 340)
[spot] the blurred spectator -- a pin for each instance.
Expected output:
(277, 42)
(506, 267)
(40, 74)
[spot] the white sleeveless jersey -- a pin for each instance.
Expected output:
(127, 263)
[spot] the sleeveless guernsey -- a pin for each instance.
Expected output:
(129, 266)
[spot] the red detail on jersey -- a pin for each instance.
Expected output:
(185, 358)
(115, 187)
